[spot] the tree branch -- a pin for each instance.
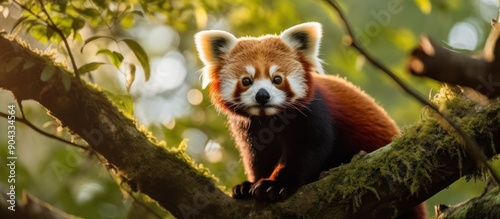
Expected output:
(36, 129)
(147, 165)
(431, 60)
(423, 161)
(441, 64)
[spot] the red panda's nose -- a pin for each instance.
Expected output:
(262, 96)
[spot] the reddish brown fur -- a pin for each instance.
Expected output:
(357, 113)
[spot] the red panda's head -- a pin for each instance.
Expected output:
(260, 76)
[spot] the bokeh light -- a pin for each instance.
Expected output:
(466, 35)
(488, 9)
(197, 141)
(213, 152)
(194, 96)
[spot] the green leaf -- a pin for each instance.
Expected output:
(92, 66)
(13, 63)
(119, 56)
(127, 21)
(19, 21)
(124, 102)
(403, 38)
(141, 56)
(49, 33)
(62, 5)
(424, 5)
(47, 73)
(137, 12)
(101, 3)
(77, 37)
(115, 57)
(95, 38)
(63, 22)
(88, 12)
(77, 24)
(131, 79)
(66, 81)
(28, 64)
(37, 30)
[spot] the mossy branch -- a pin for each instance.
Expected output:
(425, 159)
(144, 163)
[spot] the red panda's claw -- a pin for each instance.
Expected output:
(242, 191)
(269, 191)
(281, 191)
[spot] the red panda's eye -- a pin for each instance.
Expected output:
(277, 80)
(246, 81)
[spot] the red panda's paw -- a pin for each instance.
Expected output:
(271, 190)
(242, 191)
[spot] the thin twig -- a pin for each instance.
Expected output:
(30, 11)
(29, 124)
(110, 28)
(61, 34)
(50, 24)
(472, 147)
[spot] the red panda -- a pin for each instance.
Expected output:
(289, 120)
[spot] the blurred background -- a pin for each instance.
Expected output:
(173, 105)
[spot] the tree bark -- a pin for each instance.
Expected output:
(444, 65)
(422, 161)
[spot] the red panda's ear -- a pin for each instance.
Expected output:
(306, 38)
(212, 44)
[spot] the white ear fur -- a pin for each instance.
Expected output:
(306, 38)
(211, 44)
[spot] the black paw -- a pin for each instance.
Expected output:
(242, 191)
(271, 191)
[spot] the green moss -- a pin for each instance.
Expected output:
(458, 104)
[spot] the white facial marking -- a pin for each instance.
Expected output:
(273, 69)
(297, 85)
(227, 88)
(251, 70)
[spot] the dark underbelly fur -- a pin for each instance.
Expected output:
(292, 149)
(304, 140)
